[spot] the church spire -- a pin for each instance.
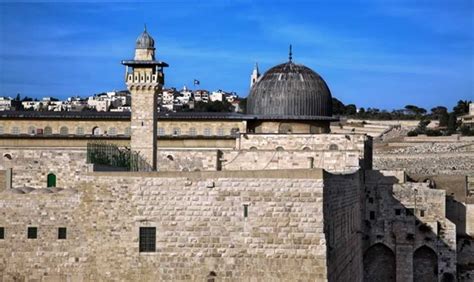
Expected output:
(255, 75)
(290, 55)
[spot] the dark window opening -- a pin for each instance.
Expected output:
(62, 233)
(372, 215)
(32, 232)
(246, 210)
(422, 213)
(398, 211)
(2, 233)
(371, 200)
(147, 239)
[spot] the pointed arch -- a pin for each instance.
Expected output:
(425, 265)
(379, 264)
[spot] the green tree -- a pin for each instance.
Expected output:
(452, 122)
(444, 119)
(461, 108)
(350, 109)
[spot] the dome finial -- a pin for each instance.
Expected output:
(144, 29)
(290, 56)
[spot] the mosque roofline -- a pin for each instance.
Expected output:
(144, 62)
(91, 115)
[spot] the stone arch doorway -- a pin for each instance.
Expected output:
(379, 264)
(425, 265)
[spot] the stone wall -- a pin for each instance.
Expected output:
(186, 160)
(32, 166)
(343, 225)
(122, 127)
(200, 228)
(405, 216)
(335, 153)
(428, 164)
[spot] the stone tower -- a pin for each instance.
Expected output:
(144, 78)
(254, 76)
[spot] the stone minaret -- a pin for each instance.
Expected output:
(254, 76)
(144, 77)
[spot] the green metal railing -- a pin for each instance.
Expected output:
(103, 153)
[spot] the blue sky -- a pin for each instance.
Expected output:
(383, 54)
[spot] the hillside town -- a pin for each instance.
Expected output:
(169, 100)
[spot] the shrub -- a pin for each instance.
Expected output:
(467, 131)
(432, 132)
(412, 133)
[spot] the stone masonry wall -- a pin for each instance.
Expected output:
(342, 217)
(427, 164)
(31, 166)
(200, 227)
(405, 216)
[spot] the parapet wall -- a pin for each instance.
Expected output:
(32, 166)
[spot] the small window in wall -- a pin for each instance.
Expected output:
(372, 215)
(280, 149)
(161, 131)
(32, 232)
(422, 213)
(31, 130)
(80, 131)
(147, 239)
(220, 132)
(2, 233)
(62, 233)
(333, 147)
(128, 131)
(112, 131)
(246, 210)
(176, 131)
(15, 130)
(234, 131)
(192, 131)
(51, 181)
(207, 131)
(64, 130)
(398, 211)
(1, 130)
(371, 200)
(48, 130)
(96, 130)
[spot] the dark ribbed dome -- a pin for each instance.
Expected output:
(290, 90)
(144, 41)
